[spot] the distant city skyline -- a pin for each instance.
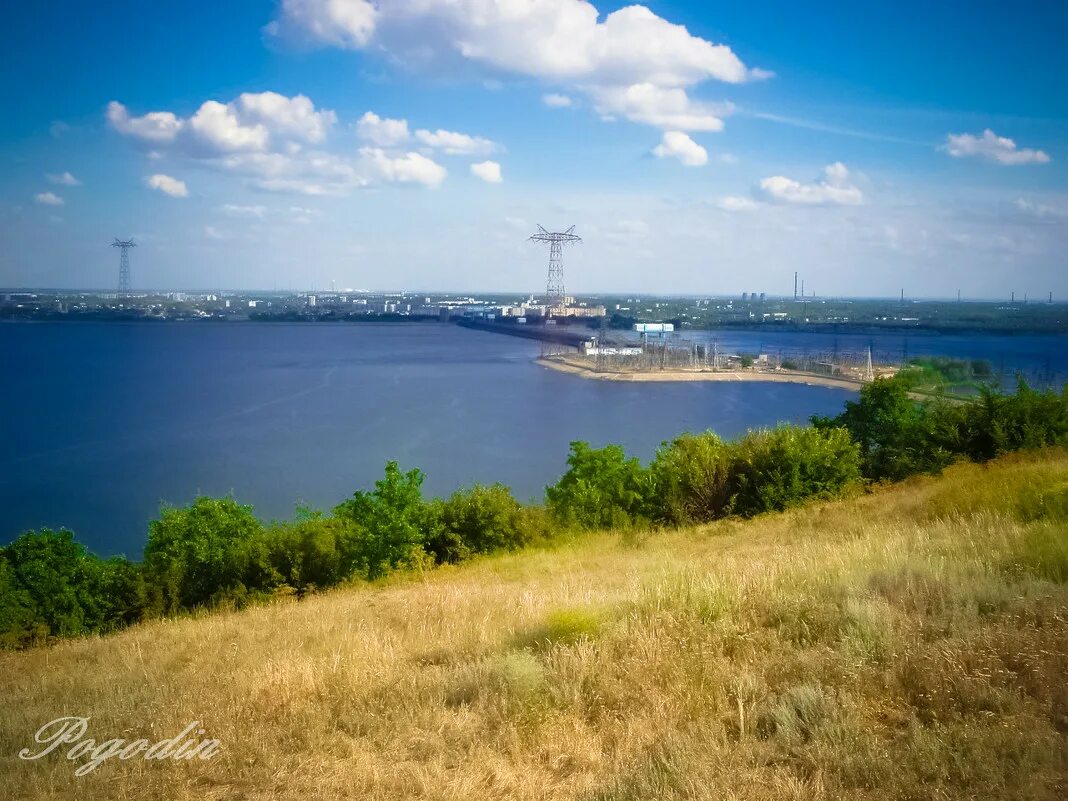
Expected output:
(394, 144)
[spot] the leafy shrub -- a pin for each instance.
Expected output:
(894, 432)
(774, 469)
(51, 585)
(311, 554)
(474, 521)
(202, 553)
(602, 488)
(389, 523)
(691, 479)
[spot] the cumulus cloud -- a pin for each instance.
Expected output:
(488, 171)
(385, 132)
(167, 185)
(553, 100)
(278, 144)
(380, 131)
(991, 147)
(254, 122)
(63, 179)
(455, 144)
(676, 144)
(634, 63)
(405, 168)
(835, 189)
(48, 199)
(735, 203)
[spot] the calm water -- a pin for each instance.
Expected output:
(99, 423)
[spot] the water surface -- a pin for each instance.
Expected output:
(102, 422)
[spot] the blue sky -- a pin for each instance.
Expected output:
(414, 144)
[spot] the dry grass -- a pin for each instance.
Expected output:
(908, 644)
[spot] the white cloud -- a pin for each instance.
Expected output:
(488, 171)
(727, 158)
(265, 137)
(340, 23)
(1043, 210)
(167, 185)
(455, 144)
(835, 189)
(676, 144)
(615, 59)
(156, 126)
(243, 211)
(251, 123)
(380, 131)
(734, 203)
(63, 179)
(660, 107)
(553, 100)
(48, 199)
(407, 168)
(211, 232)
(992, 147)
(293, 117)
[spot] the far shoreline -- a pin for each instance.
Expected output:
(782, 377)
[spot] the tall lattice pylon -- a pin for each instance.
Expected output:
(554, 286)
(124, 246)
(869, 371)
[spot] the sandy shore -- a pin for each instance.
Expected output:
(781, 376)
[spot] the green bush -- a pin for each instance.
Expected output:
(895, 434)
(774, 469)
(205, 553)
(602, 488)
(389, 523)
(474, 521)
(310, 554)
(51, 586)
(691, 479)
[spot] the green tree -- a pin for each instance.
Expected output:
(389, 522)
(602, 488)
(206, 552)
(20, 624)
(61, 579)
(892, 430)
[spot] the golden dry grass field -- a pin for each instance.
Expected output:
(909, 643)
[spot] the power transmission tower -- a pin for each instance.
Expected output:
(554, 286)
(124, 264)
(869, 371)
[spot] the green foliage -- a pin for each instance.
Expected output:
(1000, 423)
(311, 554)
(206, 552)
(388, 522)
(899, 437)
(778, 468)
(892, 431)
(691, 479)
(476, 521)
(51, 586)
(602, 488)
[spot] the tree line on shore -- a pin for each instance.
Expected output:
(216, 553)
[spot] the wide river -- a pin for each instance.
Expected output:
(100, 423)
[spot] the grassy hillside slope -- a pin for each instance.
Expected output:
(912, 643)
